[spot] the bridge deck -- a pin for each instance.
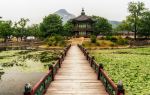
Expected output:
(76, 77)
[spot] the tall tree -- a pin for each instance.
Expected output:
(52, 24)
(5, 29)
(125, 25)
(34, 30)
(144, 29)
(68, 28)
(22, 23)
(101, 26)
(16, 31)
(136, 9)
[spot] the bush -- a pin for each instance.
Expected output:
(56, 40)
(93, 39)
(117, 39)
(111, 38)
(122, 41)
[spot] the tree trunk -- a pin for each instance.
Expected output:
(135, 30)
(21, 38)
(17, 39)
(5, 39)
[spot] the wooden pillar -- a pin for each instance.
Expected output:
(27, 89)
(52, 68)
(99, 67)
(120, 89)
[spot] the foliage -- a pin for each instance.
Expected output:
(22, 27)
(16, 31)
(124, 26)
(67, 29)
(34, 30)
(52, 24)
(27, 59)
(47, 57)
(136, 9)
(129, 65)
(5, 29)
(144, 29)
(117, 39)
(93, 39)
(56, 40)
(101, 26)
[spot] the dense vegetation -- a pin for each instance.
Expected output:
(129, 65)
(105, 41)
(28, 59)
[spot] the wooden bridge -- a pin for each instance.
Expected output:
(75, 77)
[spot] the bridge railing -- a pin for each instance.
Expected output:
(41, 87)
(110, 86)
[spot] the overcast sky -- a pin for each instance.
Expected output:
(35, 10)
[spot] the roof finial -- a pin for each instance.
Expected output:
(82, 13)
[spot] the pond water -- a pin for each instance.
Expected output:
(25, 68)
(12, 83)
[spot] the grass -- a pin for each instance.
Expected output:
(132, 66)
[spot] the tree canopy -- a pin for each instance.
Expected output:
(68, 28)
(144, 27)
(136, 10)
(52, 24)
(5, 29)
(101, 26)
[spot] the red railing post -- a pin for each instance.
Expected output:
(92, 59)
(27, 89)
(59, 60)
(100, 66)
(120, 89)
(52, 68)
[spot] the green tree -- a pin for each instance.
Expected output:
(34, 30)
(52, 24)
(102, 26)
(22, 27)
(68, 28)
(136, 9)
(5, 29)
(144, 29)
(16, 31)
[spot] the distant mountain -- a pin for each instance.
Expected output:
(114, 23)
(65, 15)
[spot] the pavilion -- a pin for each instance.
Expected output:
(82, 25)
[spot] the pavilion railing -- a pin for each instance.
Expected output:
(109, 85)
(41, 87)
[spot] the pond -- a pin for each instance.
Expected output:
(18, 67)
(12, 83)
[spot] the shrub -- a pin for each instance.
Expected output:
(106, 43)
(93, 39)
(117, 39)
(111, 38)
(122, 41)
(56, 40)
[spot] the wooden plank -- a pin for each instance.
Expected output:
(76, 77)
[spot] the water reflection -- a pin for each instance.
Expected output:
(1, 73)
(12, 83)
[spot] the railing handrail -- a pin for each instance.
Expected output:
(32, 91)
(101, 70)
(36, 86)
(109, 79)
